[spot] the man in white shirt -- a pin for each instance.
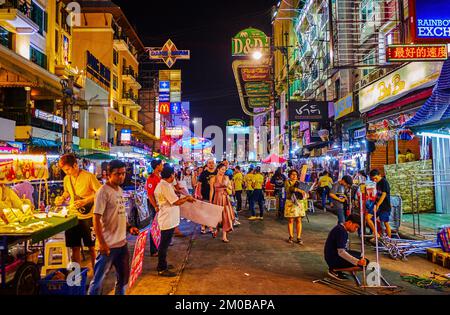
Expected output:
(110, 224)
(168, 216)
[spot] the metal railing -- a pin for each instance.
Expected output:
(130, 96)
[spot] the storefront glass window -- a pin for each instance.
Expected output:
(5, 37)
(38, 57)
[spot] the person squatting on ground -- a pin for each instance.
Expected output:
(220, 184)
(168, 216)
(382, 205)
(278, 180)
(294, 209)
(110, 223)
(81, 187)
(336, 250)
(257, 196)
(340, 193)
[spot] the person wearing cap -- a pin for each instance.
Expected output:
(153, 181)
(258, 195)
(340, 194)
(168, 216)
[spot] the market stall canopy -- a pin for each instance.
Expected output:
(273, 158)
(98, 156)
(436, 110)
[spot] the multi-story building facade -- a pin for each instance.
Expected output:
(108, 48)
(35, 54)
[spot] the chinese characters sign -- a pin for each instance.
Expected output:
(416, 52)
(308, 111)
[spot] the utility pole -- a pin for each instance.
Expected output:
(286, 55)
(68, 102)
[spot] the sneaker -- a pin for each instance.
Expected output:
(171, 243)
(299, 241)
(260, 218)
(167, 273)
(168, 267)
(253, 218)
(337, 275)
(290, 240)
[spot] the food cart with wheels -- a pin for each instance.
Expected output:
(23, 231)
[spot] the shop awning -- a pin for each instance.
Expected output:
(437, 108)
(273, 158)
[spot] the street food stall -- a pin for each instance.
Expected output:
(23, 230)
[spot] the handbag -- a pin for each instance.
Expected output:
(155, 232)
(302, 205)
(87, 208)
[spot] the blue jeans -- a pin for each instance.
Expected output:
(166, 238)
(120, 259)
(249, 197)
(153, 249)
(281, 201)
(325, 193)
(341, 214)
(258, 197)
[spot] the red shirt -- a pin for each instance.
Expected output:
(152, 181)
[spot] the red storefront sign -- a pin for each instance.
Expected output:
(164, 108)
(255, 74)
(416, 52)
(138, 258)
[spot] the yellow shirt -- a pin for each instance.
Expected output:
(238, 179)
(249, 181)
(9, 199)
(86, 185)
(258, 181)
(410, 157)
(325, 181)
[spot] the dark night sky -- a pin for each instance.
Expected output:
(205, 28)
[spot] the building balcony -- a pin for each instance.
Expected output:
(130, 100)
(129, 76)
(15, 16)
(123, 43)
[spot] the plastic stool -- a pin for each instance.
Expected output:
(50, 248)
(271, 203)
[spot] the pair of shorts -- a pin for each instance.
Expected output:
(382, 215)
(83, 231)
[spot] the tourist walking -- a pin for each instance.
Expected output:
(341, 193)
(238, 180)
(248, 182)
(188, 179)
(278, 180)
(258, 195)
(110, 223)
(168, 216)
(219, 195)
(294, 209)
(153, 181)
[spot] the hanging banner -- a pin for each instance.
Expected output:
(248, 41)
(308, 111)
(138, 258)
(255, 73)
(17, 167)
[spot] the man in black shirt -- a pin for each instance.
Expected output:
(336, 251)
(278, 180)
(382, 205)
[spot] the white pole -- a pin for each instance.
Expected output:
(362, 227)
(376, 247)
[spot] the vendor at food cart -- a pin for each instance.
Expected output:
(81, 187)
(8, 199)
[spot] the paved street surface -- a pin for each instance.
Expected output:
(258, 260)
